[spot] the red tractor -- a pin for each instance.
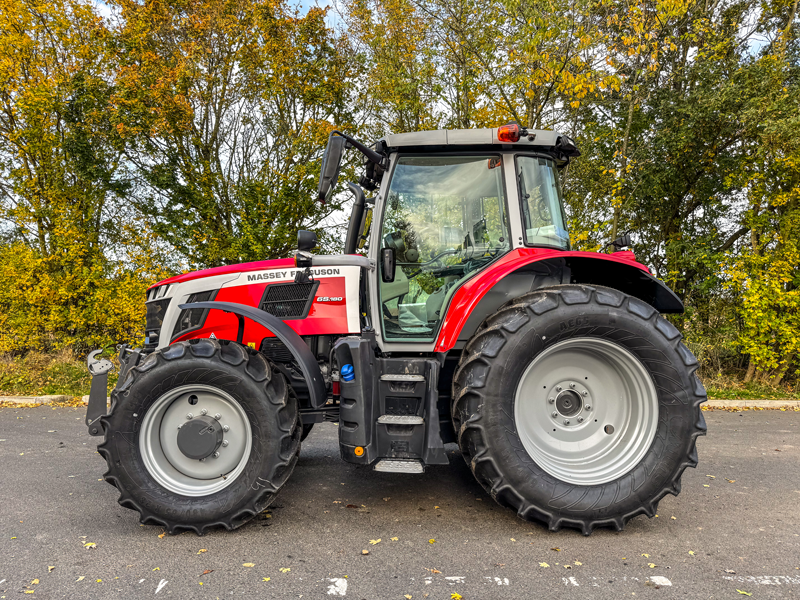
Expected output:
(457, 313)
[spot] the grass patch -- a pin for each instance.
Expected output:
(725, 387)
(37, 374)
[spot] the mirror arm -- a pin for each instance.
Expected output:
(379, 159)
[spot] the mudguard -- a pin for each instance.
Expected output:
(300, 351)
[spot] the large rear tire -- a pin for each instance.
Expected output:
(578, 406)
(201, 434)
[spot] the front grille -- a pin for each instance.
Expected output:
(276, 351)
(289, 300)
(193, 318)
(153, 320)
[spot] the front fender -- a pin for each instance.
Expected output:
(300, 351)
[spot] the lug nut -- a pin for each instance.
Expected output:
(225, 428)
(588, 407)
(217, 416)
(554, 414)
(216, 455)
(204, 412)
(551, 400)
(224, 443)
(572, 384)
(202, 460)
(566, 421)
(585, 393)
(179, 426)
(190, 416)
(558, 388)
(580, 419)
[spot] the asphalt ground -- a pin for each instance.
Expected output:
(735, 526)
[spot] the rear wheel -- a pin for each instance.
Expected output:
(578, 406)
(201, 433)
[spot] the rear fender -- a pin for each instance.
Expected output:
(527, 269)
(300, 351)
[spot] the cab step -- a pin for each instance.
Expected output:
(395, 465)
(402, 377)
(400, 420)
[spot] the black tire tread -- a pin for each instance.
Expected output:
(246, 362)
(477, 359)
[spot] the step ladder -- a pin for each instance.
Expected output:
(399, 465)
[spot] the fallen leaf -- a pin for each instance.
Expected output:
(651, 565)
(556, 549)
(50, 569)
(543, 565)
(28, 591)
(513, 540)
(162, 534)
(352, 506)
(266, 578)
(386, 499)
(431, 541)
(202, 550)
(646, 555)
(673, 518)
(89, 545)
(157, 569)
(691, 552)
(284, 569)
(99, 581)
(433, 570)
(407, 596)
(706, 485)
(578, 563)
(731, 571)
(455, 596)
(365, 552)
(567, 566)
(743, 593)
(81, 578)
(207, 571)
(248, 564)
(710, 476)
(435, 507)
(200, 582)
(730, 480)
(373, 542)
(34, 582)
(394, 539)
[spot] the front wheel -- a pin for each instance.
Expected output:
(578, 406)
(200, 434)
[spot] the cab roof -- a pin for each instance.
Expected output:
(469, 137)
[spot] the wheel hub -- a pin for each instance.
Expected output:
(569, 403)
(200, 437)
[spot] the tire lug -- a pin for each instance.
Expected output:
(190, 416)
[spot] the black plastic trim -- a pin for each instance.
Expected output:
(317, 391)
(203, 317)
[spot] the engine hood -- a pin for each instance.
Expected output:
(260, 265)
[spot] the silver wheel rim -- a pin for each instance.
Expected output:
(586, 411)
(158, 440)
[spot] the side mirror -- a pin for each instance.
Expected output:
(388, 265)
(306, 240)
(329, 171)
(621, 242)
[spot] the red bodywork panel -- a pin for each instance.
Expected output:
(328, 314)
(466, 298)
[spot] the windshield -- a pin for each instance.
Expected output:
(542, 207)
(445, 219)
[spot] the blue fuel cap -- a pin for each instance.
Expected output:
(348, 373)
